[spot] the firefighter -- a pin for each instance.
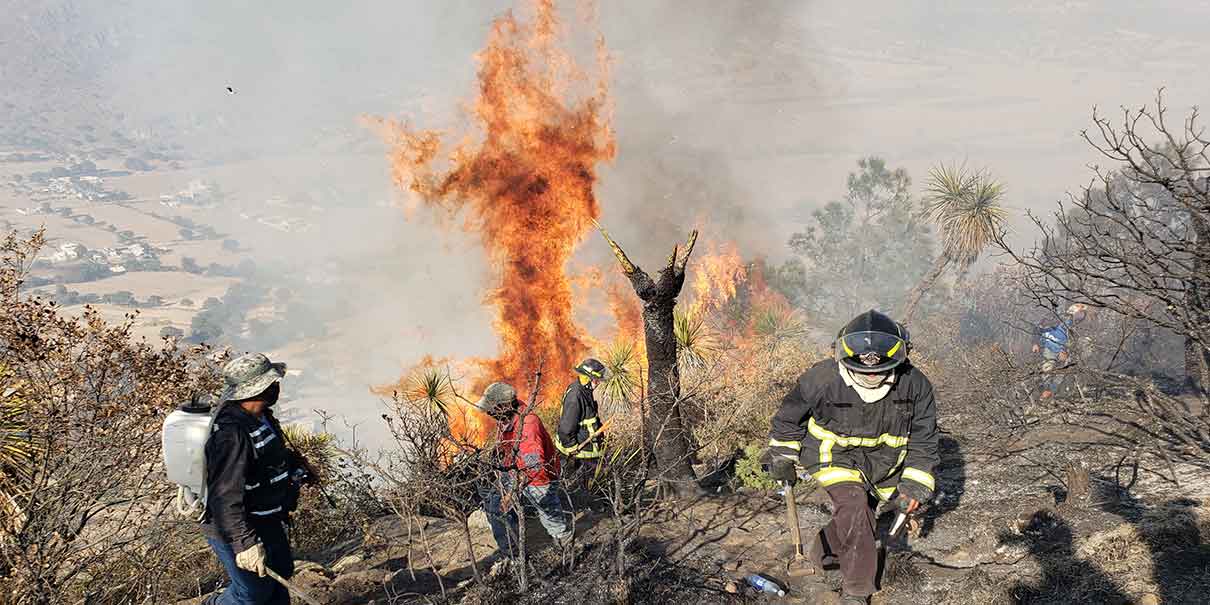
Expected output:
(253, 480)
(1054, 344)
(579, 436)
(864, 425)
(528, 469)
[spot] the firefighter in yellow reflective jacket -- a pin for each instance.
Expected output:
(864, 425)
(579, 437)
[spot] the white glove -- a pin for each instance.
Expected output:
(252, 559)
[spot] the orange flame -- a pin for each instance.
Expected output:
(626, 312)
(526, 188)
(717, 276)
(429, 384)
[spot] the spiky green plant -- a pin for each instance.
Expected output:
(966, 207)
(318, 448)
(432, 387)
(16, 447)
(695, 343)
(777, 323)
(622, 383)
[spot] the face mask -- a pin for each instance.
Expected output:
(271, 394)
(870, 381)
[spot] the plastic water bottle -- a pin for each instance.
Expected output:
(764, 584)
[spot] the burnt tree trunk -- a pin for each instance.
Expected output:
(925, 284)
(665, 429)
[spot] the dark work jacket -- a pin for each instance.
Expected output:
(578, 421)
(837, 437)
(249, 476)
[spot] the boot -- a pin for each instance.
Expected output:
(819, 557)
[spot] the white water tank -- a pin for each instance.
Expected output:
(184, 441)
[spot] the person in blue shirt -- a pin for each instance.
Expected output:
(1054, 345)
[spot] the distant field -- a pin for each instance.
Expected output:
(154, 229)
(202, 251)
(59, 229)
(148, 323)
(171, 285)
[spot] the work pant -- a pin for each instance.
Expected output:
(1051, 380)
(247, 588)
(849, 538)
(544, 498)
(584, 492)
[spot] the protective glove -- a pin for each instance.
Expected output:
(310, 473)
(783, 470)
(252, 559)
(911, 496)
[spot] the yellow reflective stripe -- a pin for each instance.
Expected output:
(794, 445)
(884, 439)
(595, 452)
(835, 474)
(559, 446)
(825, 451)
(891, 353)
(885, 493)
(847, 350)
(898, 463)
(919, 476)
(589, 421)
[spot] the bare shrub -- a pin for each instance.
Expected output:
(730, 397)
(343, 503)
(93, 497)
(433, 466)
(1136, 241)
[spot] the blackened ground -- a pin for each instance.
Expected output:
(1004, 530)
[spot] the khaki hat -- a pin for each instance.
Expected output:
(249, 375)
(496, 395)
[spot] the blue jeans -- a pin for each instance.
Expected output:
(247, 588)
(544, 498)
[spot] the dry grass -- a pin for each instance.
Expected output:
(732, 397)
(1163, 553)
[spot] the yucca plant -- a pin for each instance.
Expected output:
(695, 343)
(966, 207)
(777, 323)
(430, 386)
(318, 448)
(622, 383)
(16, 448)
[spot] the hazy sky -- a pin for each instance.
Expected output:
(749, 108)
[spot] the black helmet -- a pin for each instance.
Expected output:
(872, 343)
(591, 368)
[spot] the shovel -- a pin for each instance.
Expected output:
(792, 518)
(593, 435)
